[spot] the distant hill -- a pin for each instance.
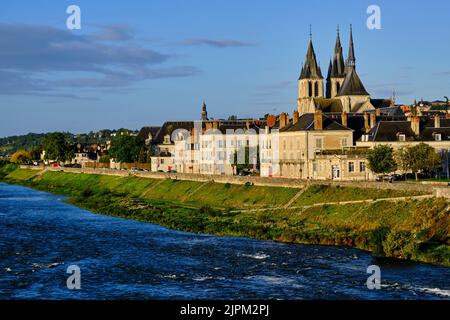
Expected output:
(9, 145)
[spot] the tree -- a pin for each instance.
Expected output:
(402, 159)
(248, 164)
(21, 157)
(381, 159)
(57, 147)
(105, 159)
(422, 158)
(125, 148)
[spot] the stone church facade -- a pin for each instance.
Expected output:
(344, 90)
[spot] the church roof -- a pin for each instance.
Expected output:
(352, 85)
(328, 105)
(311, 70)
(337, 66)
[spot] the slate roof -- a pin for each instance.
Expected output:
(306, 123)
(311, 69)
(352, 85)
(145, 131)
(328, 105)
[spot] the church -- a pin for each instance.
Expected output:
(344, 91)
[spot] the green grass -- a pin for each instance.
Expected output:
(327, 194)
(414, 229)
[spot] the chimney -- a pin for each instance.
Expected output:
(437, 121)
(295, 117)
(415, 125)
(373, 120)
(271, 120)
(366, 122)
(378, 112)
(344, 117)
(284, 118)
(318, 120)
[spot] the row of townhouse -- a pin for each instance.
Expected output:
(319, 145)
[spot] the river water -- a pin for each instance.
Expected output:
(41, 236)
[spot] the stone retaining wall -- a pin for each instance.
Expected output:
(258, 181)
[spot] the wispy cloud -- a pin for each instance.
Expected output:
(117, 32)
(37, 59)
(225, 43)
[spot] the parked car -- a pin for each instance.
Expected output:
(244, 173)
(172, 171)
(136, 169)
(389, 178)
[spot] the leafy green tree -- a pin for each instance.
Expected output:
(57, 147)
(381, 159)
(422, 158)
(402, 159)
(125, 148)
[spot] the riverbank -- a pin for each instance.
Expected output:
(416, 229)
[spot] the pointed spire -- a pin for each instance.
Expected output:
(204, 111)
(338, 40)
(351, 60)
(338, 65)
(311, 70)
(330, 68)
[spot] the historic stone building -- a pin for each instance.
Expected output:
(344, 92)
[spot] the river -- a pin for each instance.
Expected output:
(41, 236)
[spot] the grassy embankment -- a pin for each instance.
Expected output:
(413, 229)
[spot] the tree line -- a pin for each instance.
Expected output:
(58, 147)
(420, 158)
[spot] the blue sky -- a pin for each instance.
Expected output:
(137, 63)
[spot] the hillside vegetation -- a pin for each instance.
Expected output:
(413, 229)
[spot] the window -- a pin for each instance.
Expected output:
(344, 142)
(351, 167)
(314, 166)
(318, 143)
(365, 138)
(167, 139)
(310, 90)
(362, 167)
(401, 137)
(317, 89)
(437, 136)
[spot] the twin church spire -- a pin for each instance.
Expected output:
(342, 79)
(337, 67)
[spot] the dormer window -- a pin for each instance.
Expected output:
(365, 137)
(401, 137)
(167, 139)
(437, 136)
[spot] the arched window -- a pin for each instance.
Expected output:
(316, 89)
(338, 87)
(310, 89)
